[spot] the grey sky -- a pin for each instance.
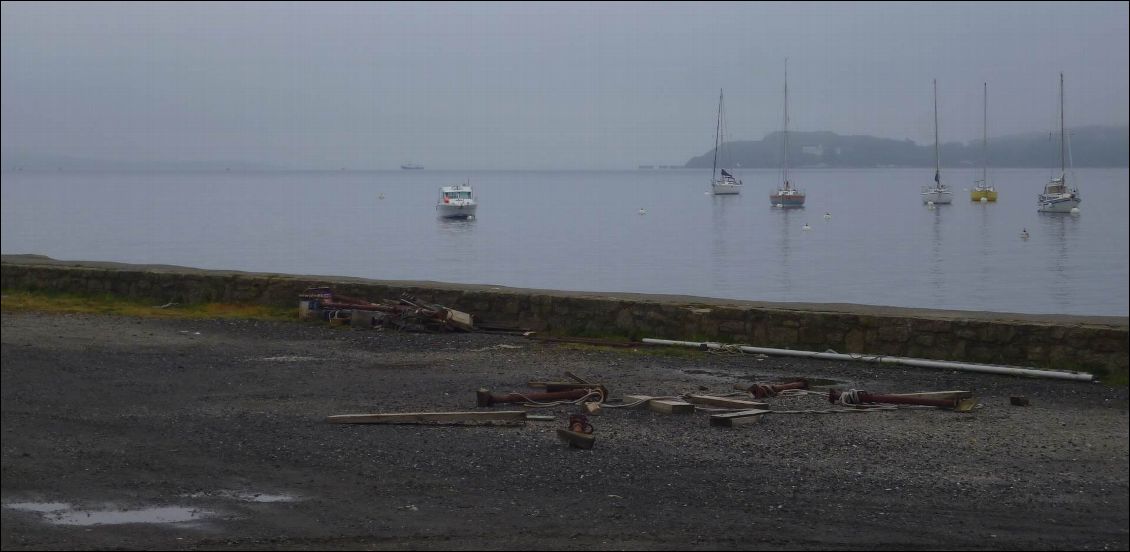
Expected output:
(509, 85)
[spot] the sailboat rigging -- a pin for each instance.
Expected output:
(1057, 197)
(938, 194)
(726, 184)
(786, 195)
(984, 191)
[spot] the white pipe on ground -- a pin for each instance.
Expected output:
(986, 368)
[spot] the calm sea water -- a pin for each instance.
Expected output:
(583, 231)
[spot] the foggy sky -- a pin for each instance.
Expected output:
(535, 86)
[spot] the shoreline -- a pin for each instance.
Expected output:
(1099, 320)
(1098, 345)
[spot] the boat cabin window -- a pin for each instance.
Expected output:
(457, 195)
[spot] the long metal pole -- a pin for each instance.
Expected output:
(937, 158)
(717, 133)
(1062, 165)
(985, 140)
(786, 154)
(921, 363)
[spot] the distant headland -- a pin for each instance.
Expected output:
(1093, 146)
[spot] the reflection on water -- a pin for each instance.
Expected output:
(788, 222)
(984, 249)
(726, 238)
(1058, 229)
(719, 208)
(937, 277)
(455, 226)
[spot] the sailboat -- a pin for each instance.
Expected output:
(984, 191)
(725, 184)
(786, 195)
(1057, 198)
(937, 194)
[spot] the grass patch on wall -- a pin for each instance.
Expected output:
(24, 301)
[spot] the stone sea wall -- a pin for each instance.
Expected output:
(1089, 343)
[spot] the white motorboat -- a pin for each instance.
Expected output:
(456, 202)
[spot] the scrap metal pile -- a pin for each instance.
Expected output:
(406, 313)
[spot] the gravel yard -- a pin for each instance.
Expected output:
(132, 433)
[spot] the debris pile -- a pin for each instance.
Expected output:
(406, 313)
(730, 410)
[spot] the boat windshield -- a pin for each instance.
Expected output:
(457, 195)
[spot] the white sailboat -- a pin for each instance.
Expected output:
(938, 194)
(983, 191)
(1057, 197)
(725, 184)
(786, 195)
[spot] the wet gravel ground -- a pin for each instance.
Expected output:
(212, 435)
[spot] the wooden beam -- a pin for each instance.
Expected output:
(500, 417)
(936, 395)
(554, 386)
(662, 406)
(575, 377)
(726, 402)
(732, 419)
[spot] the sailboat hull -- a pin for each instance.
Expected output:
(1058, 203)
(988, 195)
(937, 197)
(789, 200)
(721, 188)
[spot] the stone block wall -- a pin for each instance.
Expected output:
(1094, 344)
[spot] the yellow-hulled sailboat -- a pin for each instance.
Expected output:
(984, 191)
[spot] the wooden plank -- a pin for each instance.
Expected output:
(530, 417)
(732, 419)
(492, 417)
(551, 386)
(662, 406)
(459, 319)
(936, 395)
(575, 377)
(668, 406)
(726, 402)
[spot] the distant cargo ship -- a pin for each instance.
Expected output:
(411, 166)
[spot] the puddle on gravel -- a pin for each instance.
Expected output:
(63, 514)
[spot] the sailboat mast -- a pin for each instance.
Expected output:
(937, 159)
(717, 134)
(1062, 143)
(985, 139)
(786, 155)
